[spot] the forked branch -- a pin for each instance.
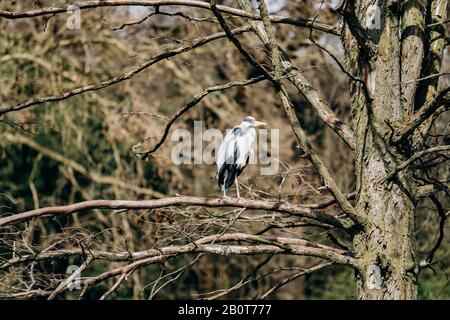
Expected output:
(442, 98)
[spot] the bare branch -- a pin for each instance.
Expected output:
(137, 256)
(265, 245)
(197, 98)
(260, 245)
(298, 130)
(168, 14)
(442, 218)
(237, 43)
(304, 86)
(428, 189)
(125, 76)
(442, 98)
(250, 277)
(160, 3)
(416, 156)
(291, 209)
(431, 76)
(293, 277)
(27, 294)
(114, 287)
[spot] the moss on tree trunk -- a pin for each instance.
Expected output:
(386, 246)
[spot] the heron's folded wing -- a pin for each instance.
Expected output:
(227, 148)
(245, 148)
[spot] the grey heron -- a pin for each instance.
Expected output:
(234, 153)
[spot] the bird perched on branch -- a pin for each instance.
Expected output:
(234, 153)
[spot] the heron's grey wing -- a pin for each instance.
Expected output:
(227, 148)
(227, 156)
(244, 149)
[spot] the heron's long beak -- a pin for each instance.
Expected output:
(259, 123)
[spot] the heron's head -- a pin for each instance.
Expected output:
(250, 121)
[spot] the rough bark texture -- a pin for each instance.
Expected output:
(436, 15)
(386, 247)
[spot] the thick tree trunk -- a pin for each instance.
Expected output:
(386, 246)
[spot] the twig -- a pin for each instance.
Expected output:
(293, 277)
(64, 284)
(197, 98)
(198, 42)
(442, 218)
(416, 156)
(442, 98)
(114, 287)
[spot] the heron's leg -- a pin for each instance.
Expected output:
(237, 187)
(224, 193)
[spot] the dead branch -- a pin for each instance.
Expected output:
(298, 130)
(293, 277)
(197, 98)
(266, 245)
(128, 256)
(428, 189)
(290, 209)
(442, 98)
(160, 3)
(416, 156)
(442, 218)
(303, 85)
(198, 42)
